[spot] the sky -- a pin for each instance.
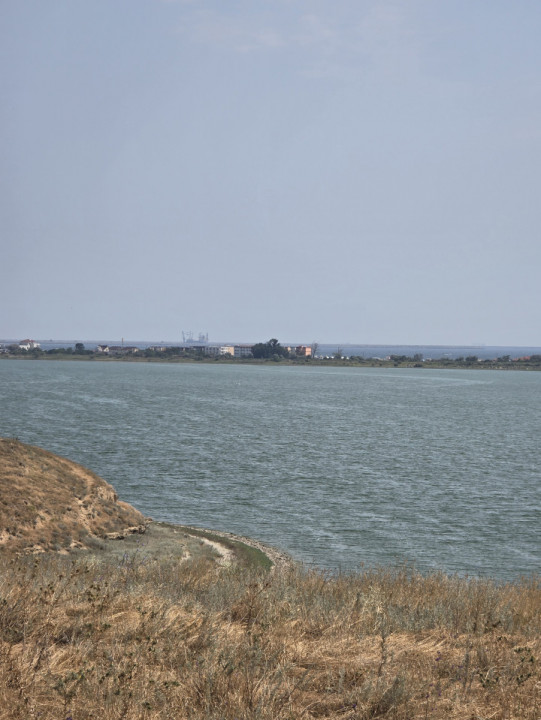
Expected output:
(350, 171)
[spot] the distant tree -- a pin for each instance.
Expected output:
(79, 348)
(260, 350)
(338, 353)
(269, 350)
(314, 347)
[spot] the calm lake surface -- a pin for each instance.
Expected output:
(338, 466)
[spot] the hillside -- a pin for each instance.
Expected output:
(50, 503)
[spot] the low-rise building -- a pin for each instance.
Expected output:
(123, 350)
(28, 345)
(242, 350)
(215, 350)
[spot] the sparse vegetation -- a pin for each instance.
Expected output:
(50, 503)
(136, 634)
(134, 639)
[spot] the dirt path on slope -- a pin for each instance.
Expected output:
(163, 541)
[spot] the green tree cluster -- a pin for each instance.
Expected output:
(270, 350)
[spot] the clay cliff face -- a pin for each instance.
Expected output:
(50, 503)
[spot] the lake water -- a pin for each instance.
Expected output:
(338, 466)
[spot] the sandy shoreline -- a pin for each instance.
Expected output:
(280, 560)
(161, 540)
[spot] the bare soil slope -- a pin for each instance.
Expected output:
(50, 503)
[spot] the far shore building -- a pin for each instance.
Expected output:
(233, 350)
(123, 349)
(216, 350)
(212, 350)
(29, 345)
(242, 350)
(117, 349)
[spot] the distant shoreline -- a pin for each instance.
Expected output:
(522, 364)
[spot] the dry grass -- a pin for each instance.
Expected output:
(49, 503)
(138, 636)
(160, 640)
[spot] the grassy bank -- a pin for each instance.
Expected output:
(137, 639)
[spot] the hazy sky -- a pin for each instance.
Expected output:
(360, 171)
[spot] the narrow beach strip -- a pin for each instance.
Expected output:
(278, 558)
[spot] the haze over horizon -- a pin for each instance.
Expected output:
(363, 172)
